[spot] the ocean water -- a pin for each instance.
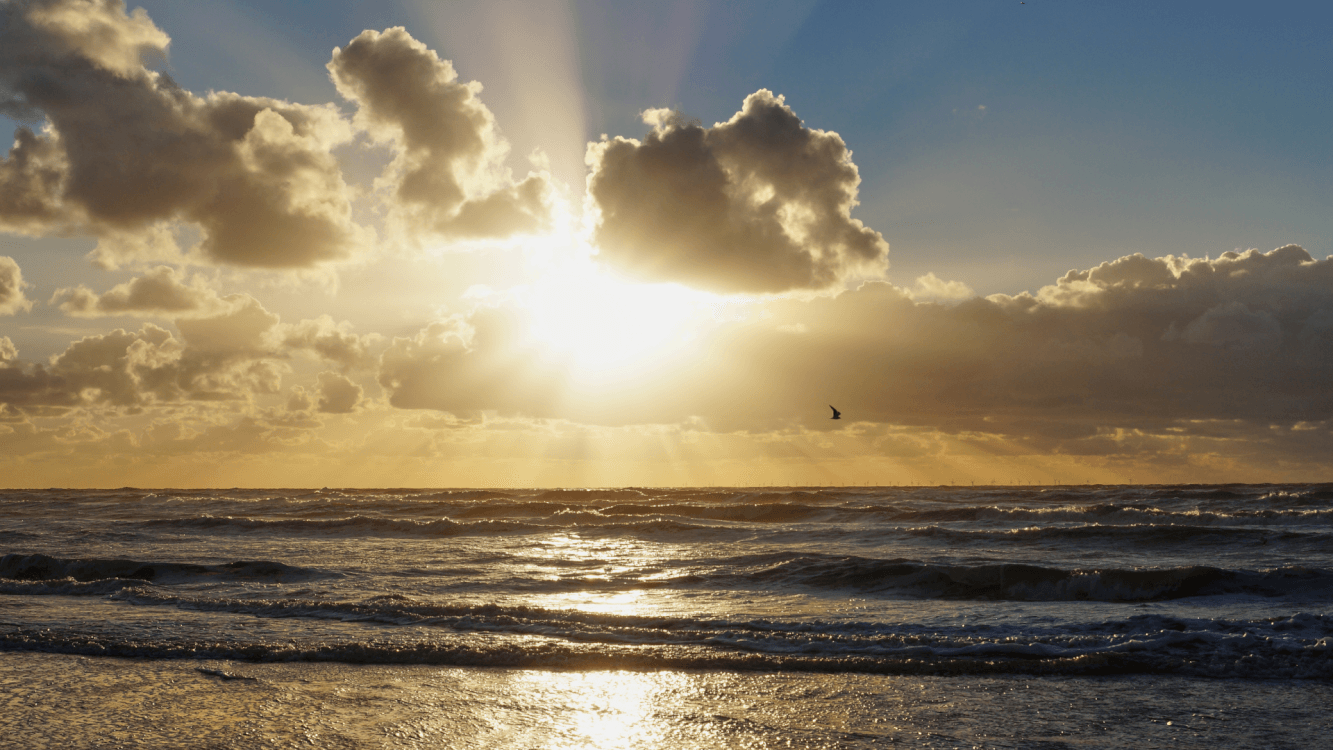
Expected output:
(813, 617)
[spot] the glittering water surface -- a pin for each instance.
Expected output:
(560, 596)
(72, 702)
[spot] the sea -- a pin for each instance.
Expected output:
(813, 617)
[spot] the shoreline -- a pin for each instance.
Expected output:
(71, 702)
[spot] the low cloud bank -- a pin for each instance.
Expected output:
(235, 355)
(1134, 344)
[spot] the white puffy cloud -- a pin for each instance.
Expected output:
(126, 149)
(759, 203)
(448, 176)
(12, 298)
(160, 291)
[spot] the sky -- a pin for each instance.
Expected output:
(294, 244)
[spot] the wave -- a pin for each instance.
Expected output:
(517, 516)
(44, 568)
(591, 495)
(1021, 582)
(899, 577)
(1201, 493)
(1296, 647)
(1105, 512)
(767, 574)
(440, 527)
(1125, 534)
(1299, 498)
(750, 513)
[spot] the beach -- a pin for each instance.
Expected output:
(999, 617)
(61, 701)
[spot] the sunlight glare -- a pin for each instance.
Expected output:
(603, 709)
(609, 327)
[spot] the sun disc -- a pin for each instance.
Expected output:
(605, 326)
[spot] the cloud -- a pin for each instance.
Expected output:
(237, 323)
(235, 353)
(123, 368)
(759, 203)
(12, 298)
(299, 400)
(126, 149)
(31, 178)
(337, 394)
(464, 365)
(246, 330)
(931, 288)
(1156, 347)
(1233, 325)
(225, 357)
(448, 176)
(158, 292)
(117, 248)
(331, 341)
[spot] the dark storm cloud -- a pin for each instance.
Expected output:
(447, 178)
(1136, 344)
(759, 203)
(126, 148)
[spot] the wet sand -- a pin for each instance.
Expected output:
(69, 702)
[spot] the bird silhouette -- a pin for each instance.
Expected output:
(836, 414)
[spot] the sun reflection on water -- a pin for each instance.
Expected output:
(602, 709)
(610, 576)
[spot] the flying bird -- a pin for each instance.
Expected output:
(836, 414)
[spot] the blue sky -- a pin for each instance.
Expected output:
(1107, 128)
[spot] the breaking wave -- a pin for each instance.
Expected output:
(43, 568)
(540, 638)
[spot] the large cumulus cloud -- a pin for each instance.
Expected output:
(125, 149)
(759, 203)
(448, 176)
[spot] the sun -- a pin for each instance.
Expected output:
(605, 326)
